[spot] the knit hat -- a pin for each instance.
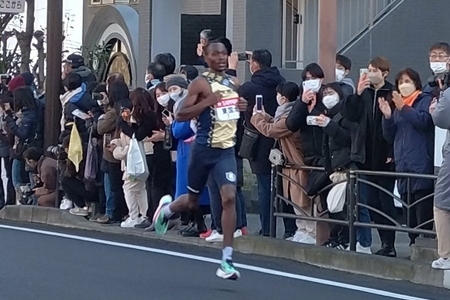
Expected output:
(178, 81)
(16, 83)
(28, 77)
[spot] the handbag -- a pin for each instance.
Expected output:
(91, 169)
(137, 167)
(249, 143)
(276, 157)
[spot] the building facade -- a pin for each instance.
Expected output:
(401, 30)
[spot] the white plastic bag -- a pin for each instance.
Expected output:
(137, 167)
(336, 198)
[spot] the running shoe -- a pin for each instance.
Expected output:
(159, 219)
(227, 271)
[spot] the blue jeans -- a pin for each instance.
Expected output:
(364, 235)
(17, 166)
(216, 207)
(264, 190)
(110, 205)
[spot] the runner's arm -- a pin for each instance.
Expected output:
(193, 106)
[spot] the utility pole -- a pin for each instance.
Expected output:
(53, 78)
(327, 38)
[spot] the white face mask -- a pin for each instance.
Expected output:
(330, 101)
(177, 95)
(406, 89)
(163, 100)
(280, 99)
(438, 67)
(340, 74)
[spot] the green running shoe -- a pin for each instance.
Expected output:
(159, 219)
(227, 271)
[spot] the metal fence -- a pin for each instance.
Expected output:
(355, 178)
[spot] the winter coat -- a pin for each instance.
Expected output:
(106, 124)
(85, 73)
(291, 147)
(442, 120)
(411, 131)
(337, 141)
(262, 82)
(183, 133)
(348, 87)
(312, 136)
(369, 148)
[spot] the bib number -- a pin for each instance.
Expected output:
(227, 110)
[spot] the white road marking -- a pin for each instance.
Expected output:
(216, 261)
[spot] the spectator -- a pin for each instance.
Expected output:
(134, 189)
(16, 83)
(439, 54)
(343, 68)
(75, 64)
(374, 153)
(406, 127)
(290, 143)
(205, 37)
(23, 126)
(74, 187)
(155, 74)
(168, 61)
(6, 143)
(337, 144)
(311, 104)
(113, 77)
(264, 81)
(189, 71)
(441, 113)
(46, 169)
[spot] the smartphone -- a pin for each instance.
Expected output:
(363, 71)
(259, 103)
(311, 120)
(166, 113)
(243, 56)
(107, 139)
(313, 85)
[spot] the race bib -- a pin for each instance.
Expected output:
(227, 110)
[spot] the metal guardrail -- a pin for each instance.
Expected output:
(354, 179)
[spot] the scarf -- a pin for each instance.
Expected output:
(409, 101)
(282, 110)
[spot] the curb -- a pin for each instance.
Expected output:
(369, 265)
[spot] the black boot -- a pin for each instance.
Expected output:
(387, 250)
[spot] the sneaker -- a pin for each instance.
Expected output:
(144, 224)
(159, 219)
(206, 234)
(104, 220)
(299, 235)
(441, 264)
(361, 249)
(227, 271)
(95, 218)
(237, 233)
(79, 211)
(66, 204)
(151, 228)
(387, 251)
(244, 231)
(307, 239)
(214, 237)
(130, 223)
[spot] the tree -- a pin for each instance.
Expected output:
(9, 59)
(39, 66)
(97, 59)
(24, 38)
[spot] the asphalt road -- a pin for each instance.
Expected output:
(58, 264)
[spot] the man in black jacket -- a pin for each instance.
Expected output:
(263, 82)
(75, 64)
(373, 152)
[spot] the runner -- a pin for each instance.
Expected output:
(212, 98)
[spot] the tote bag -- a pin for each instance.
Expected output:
(92, 165)
(137, 167)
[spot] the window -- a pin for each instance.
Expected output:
(293, 33)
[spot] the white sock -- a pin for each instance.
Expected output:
(167, 211)
(227, 253)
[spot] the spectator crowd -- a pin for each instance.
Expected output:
(121, 151)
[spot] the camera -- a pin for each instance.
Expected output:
(97, 96)
(27, 195)
(445, 79)
(57, 151)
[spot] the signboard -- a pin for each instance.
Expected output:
(12, 6)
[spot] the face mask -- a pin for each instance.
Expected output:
(340, 74)
(438, 67)
(406, 89)
(375, 78)
(177, 95)
(330, 101)
(280, 99)
(164, 100)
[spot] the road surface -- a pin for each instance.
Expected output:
(45, 263)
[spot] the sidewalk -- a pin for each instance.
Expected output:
(371, 265)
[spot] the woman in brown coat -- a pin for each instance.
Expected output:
(290, 144)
